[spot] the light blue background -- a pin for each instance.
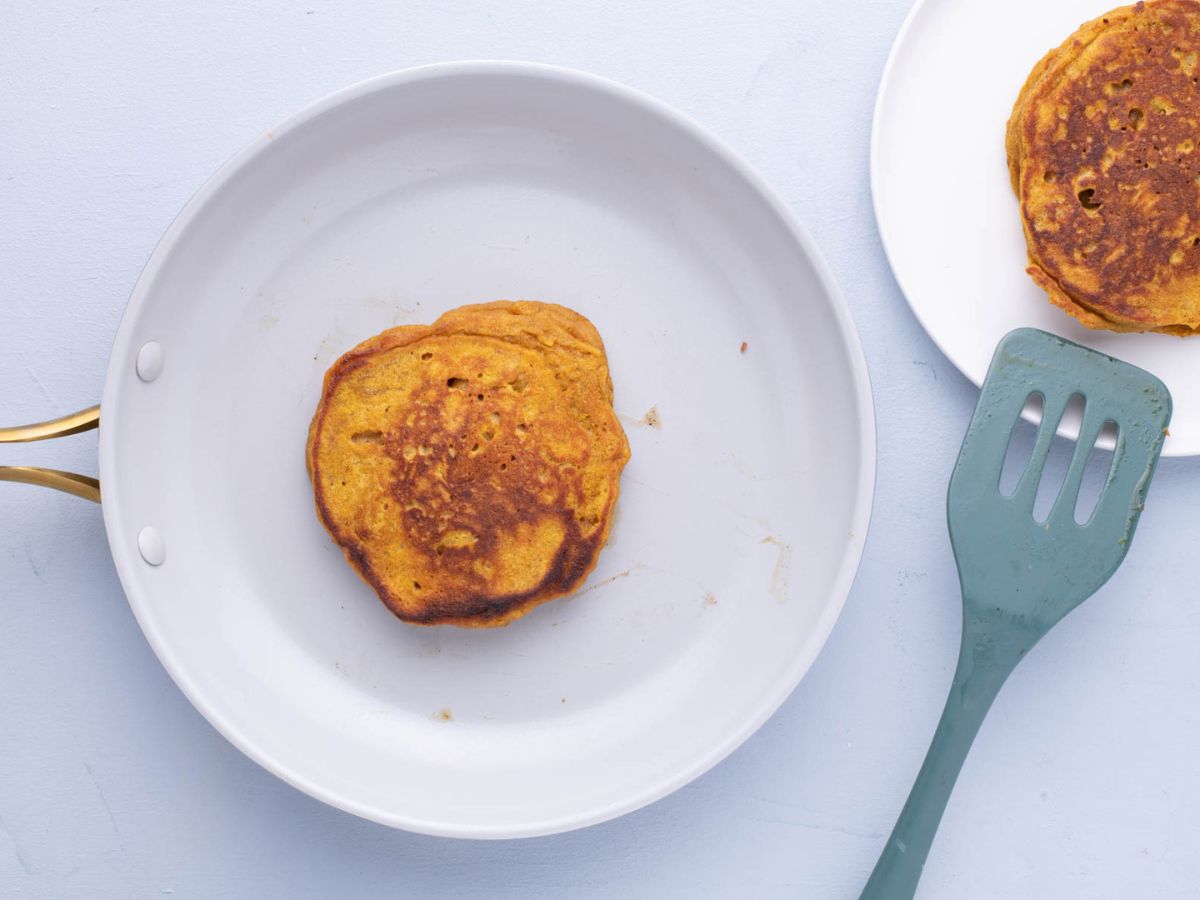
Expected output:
(1084, 782)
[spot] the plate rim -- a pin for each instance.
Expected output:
(882, 93)
(120, 374)
(881, 98)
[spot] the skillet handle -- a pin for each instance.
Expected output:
(79, 485)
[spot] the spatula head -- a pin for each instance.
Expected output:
(1039, 571)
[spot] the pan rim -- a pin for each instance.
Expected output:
(124, 548)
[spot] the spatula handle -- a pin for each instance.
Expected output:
(982, 668)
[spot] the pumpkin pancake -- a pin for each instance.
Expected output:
(1102, 151)
(469, 468)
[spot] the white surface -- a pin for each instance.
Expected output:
(736, 535)
(946, 210)
(1083, 784)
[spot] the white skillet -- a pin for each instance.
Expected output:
(742, 513)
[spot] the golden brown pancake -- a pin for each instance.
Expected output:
(1102, 152)
(469, 468)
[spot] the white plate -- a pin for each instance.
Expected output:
(946, 212)
(741, 517)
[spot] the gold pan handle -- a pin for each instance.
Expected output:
(80, 485)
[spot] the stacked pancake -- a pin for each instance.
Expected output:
(1104, 153)
(469, 468)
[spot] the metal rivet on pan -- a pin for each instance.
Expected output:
(152, 546)
(150, 361)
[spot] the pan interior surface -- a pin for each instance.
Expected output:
(742, 510)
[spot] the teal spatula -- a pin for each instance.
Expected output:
(1020, 577)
